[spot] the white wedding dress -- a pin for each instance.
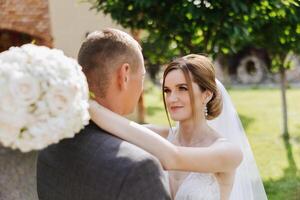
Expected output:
(197, 186)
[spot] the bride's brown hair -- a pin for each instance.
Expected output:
(200, 70)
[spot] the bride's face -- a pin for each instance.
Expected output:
(177, 96)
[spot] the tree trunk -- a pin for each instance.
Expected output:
(283, 84)
(140, 108)
(17, 175)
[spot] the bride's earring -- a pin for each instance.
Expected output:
(205, 111)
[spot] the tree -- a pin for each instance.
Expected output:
(277, 29)
(140, 107)
(179, 27)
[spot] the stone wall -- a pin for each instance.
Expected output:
(17, 175)
(27, 16)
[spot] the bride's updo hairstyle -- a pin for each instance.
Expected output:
(200, 70)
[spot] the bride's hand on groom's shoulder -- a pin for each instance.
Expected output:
(94, 109)
(92, 104)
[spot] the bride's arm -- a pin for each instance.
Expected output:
(161, 130)
(218, 158)
(133, 133)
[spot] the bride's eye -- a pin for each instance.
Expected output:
(166, 90)
(183, 88)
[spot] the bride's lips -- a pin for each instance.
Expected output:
(175, 108)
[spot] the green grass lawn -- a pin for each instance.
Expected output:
(260, 112)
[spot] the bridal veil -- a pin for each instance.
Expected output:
(248, 183)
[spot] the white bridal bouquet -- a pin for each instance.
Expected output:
(43, 97)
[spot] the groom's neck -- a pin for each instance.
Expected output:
(111, 103)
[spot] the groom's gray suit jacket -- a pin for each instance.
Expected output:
(95, 165)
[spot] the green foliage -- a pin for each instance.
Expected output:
(277, 29)
(178, 27)
(92, 95)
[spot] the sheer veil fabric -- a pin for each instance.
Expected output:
(248, 183)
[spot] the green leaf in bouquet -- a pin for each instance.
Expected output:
(92, 95)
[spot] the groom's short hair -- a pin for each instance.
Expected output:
(102, 52)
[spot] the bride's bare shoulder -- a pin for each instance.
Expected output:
(227, 150)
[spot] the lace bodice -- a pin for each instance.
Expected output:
(197, 186)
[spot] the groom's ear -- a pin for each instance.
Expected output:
(123, 76)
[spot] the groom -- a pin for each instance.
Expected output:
(95, 165)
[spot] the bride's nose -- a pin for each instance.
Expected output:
(173, 97)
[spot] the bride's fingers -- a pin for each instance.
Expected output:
(91, 101)
(96, 109)
(93, 104)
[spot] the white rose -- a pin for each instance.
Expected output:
(14, 55)
(83, 115)
(11, 113)
(17, 120)
(56, 128)
(35, 52)
(61, 68)
(60, 98)
(6, 100)
(41, 112)
(25, 142)
(37, 131)
(6, 69)
(24, 88)
(7, 105)
(8, 133)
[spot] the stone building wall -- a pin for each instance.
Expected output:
(27, 16)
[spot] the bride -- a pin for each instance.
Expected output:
(207, 154)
